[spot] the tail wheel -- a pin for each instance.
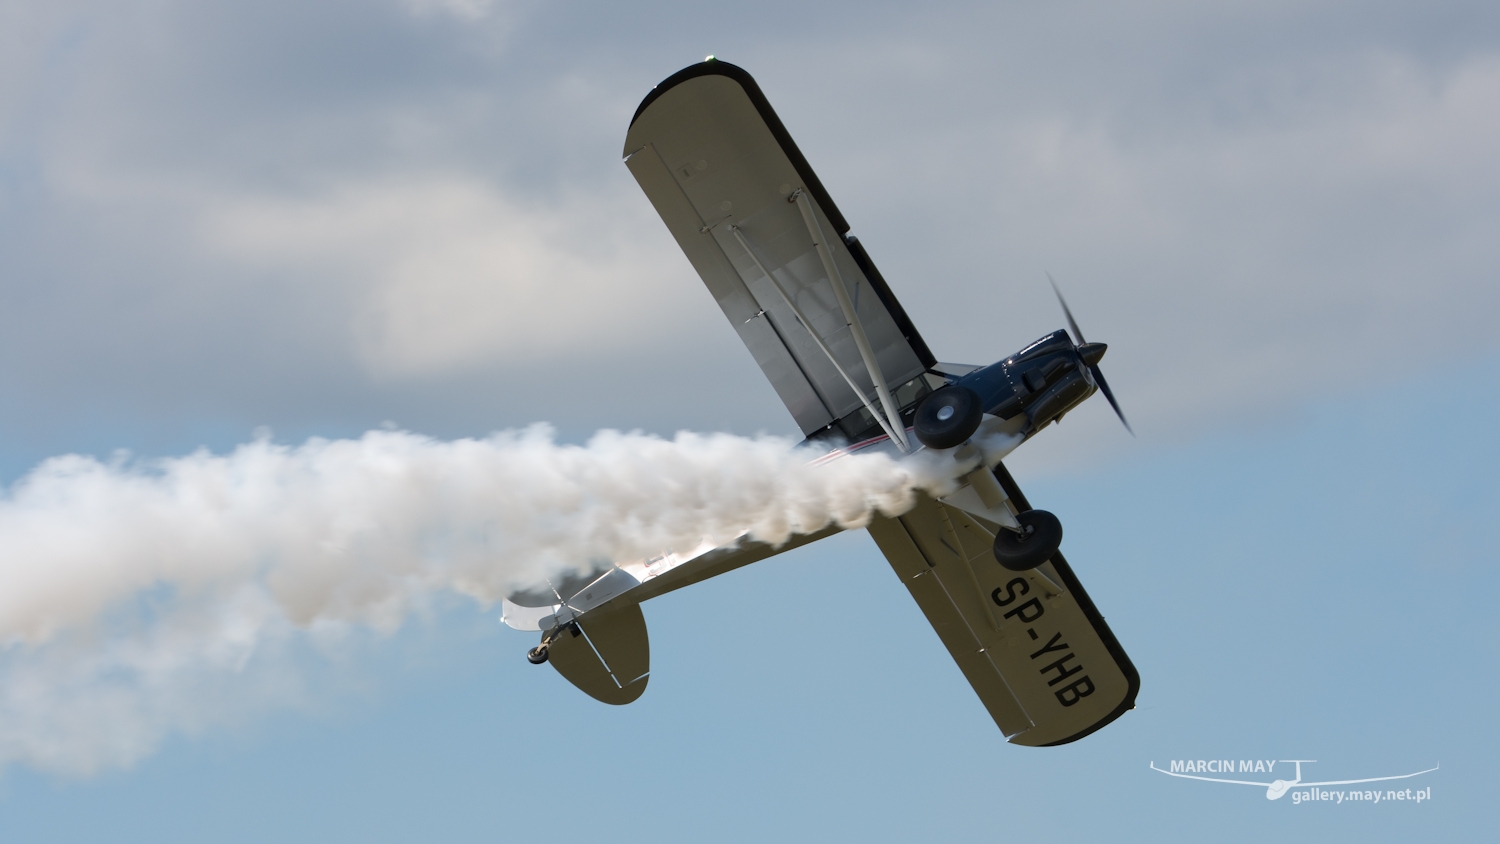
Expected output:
(537, 655)
(1041, 535)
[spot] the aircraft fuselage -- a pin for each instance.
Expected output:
(1044, 381)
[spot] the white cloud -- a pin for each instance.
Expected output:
(437, 209)
(445, 272)
(1296, 231)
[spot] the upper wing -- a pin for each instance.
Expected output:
(710, 154)
(1032, 645)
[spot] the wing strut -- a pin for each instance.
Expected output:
(836, 280)
(884, 425)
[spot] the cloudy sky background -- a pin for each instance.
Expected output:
(324, 217)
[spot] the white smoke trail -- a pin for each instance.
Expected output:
(138, 599)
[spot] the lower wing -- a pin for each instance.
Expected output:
(1032, 645)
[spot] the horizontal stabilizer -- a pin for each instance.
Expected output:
(605, 653)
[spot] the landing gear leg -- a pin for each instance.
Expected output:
(1038, 539)
(538, 654)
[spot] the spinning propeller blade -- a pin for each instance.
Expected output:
(1109, 394)
(1093, 368)
(1072, 323)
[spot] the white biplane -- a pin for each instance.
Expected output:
(984, 567)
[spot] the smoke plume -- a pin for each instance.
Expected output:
(143, 598)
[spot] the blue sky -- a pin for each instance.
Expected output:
(1274, 602)
(321, 217)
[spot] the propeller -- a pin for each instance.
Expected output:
(1091, 353)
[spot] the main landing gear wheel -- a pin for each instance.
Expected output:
(948, 417)
(1040, 537)
(537, 655)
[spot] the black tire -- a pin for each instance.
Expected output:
(1024, 552)
(537, 655)
(948, 417)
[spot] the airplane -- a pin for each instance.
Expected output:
(802, 293)
(1276, 789)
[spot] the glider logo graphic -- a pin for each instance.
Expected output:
(1301, 791)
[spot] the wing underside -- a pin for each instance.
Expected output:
(724, 175)
(1042, 660)
(804, 297)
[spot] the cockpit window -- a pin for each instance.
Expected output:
(860, 425)
(907, 395)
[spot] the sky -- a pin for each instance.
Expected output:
(288, 220)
